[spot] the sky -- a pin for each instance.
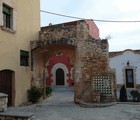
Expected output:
(122, 35)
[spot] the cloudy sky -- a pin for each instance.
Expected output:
(123, 35)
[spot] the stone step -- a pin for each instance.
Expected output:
(11, 115)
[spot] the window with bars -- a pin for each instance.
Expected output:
(7, 16)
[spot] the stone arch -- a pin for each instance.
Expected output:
(53, 72)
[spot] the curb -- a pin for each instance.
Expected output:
(96, 105)
(130, 103)
(100, 105)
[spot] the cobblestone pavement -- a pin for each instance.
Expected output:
(60, 106)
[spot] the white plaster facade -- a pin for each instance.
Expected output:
(120, 61)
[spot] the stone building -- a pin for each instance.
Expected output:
(73, 54)
(19, 23)
(126, 66)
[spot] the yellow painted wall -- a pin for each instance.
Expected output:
(26, 22)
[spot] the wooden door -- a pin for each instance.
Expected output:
(6, 84)
(129, 78)
(59, 76)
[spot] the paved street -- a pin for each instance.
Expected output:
(60, 106)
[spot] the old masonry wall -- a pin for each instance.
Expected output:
(89, 56)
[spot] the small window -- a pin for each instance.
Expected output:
(129, 78)
(7, 16)
(24, 58)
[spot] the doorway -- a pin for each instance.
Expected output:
(129, 78)
(60, 76)
(6, 77)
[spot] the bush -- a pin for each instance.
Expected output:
(136, 95)
(123, 94)
(33, 94)
(48, 90)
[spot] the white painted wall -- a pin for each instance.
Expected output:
(120, 62)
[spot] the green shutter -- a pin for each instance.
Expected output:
(24, 53)
(6, 10)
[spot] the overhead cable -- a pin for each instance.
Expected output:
(62, 15)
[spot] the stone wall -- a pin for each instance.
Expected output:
(3, 102)
(56, 32)
(92, 60)
(54, 39)
(88, 55)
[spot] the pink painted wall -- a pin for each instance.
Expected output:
(93, 29)
(59, 59)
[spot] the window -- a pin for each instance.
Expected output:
(129, 78)
(7, 16)
(24, 58)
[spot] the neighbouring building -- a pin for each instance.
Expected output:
(70, 54)
(19, 24)
(126, 65)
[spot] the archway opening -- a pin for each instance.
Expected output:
(60, 77)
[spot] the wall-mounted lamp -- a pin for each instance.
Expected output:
(128, 63)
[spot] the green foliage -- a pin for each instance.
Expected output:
(48, 90)
(123, 94)
(136, 95)
(33, 94)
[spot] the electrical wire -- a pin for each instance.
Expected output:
(62, 15)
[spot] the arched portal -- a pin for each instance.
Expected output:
(60, 77)
(55, 63)
(59, 68)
